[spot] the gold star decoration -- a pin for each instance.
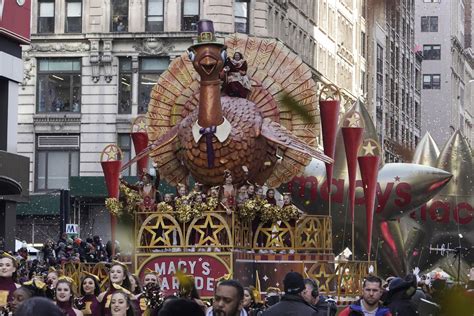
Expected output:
(323, 275)
(209, 226)
(139, 124)
(353, 119)
(111, 153)
(160, 232)
(275, 235)
(310, 238)
(369, 147)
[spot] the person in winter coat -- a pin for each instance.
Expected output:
(292, 303)
(399, 295)
(312, 296)
(369, 304)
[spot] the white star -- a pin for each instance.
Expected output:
(369, 149)
(353, 120)
(277, 284)
(265, 278)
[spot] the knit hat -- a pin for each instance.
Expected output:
(293, 283)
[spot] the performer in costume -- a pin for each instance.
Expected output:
(51, 281)
(270, 196)
(28, 290)
(151, 297)
(237, 83)
(8, 267)
(65, 297)
(228, 192)
(147, 190)
(90, 289)
(118, 277)
(121, 304)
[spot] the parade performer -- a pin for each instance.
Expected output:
(65, 297)
(147, 190)
(51, 282)
(118, 277)
(237, 83)
(90, 289)
(28, 290)
(121, 304)
(7, 279)
(228, 191)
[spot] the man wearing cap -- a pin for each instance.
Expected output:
(292, 303)
(369, 304)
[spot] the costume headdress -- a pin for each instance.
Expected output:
(206, 34)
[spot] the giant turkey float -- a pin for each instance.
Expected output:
(222, 152)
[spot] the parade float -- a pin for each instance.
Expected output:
(222, 151)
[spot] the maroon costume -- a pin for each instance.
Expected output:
(7, 287)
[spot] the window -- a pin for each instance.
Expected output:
(150, 70)
(74, 16)
(362, 43)
(59, 85)
(429, 24)
(432, 81)
(154, 16)
(432, 52)
(190, 15)
(46, 16)
(241, 12)
(124, 142)
(57, 159)
(119, 15)
(125, 86)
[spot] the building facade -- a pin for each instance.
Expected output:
(394, 72)
(443, 32)
(92, 64)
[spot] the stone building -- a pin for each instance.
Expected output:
(92, 64)
(444, 34)
(394, 72)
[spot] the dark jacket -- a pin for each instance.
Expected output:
(398, 299)
(323, 306)
(291, 305)
(356, 310)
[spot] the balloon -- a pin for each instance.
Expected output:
(401, 188)
(447, 219)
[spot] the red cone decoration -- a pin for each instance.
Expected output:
(140, 142)
(352, 131)
(329, 110)
(369, 159)
(111, 162)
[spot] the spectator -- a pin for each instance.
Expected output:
(292, 303)
(181, 307)
(228, 299)
(100, 252)
(399, 295)
(369, 304)
(311, 296)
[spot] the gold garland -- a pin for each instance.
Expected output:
(274, 213)
(289, 212)
(269, 213)
(250, 209)
(114, 206)
(212, 203)
(164, 207)
(185, 211)
(132, 199)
